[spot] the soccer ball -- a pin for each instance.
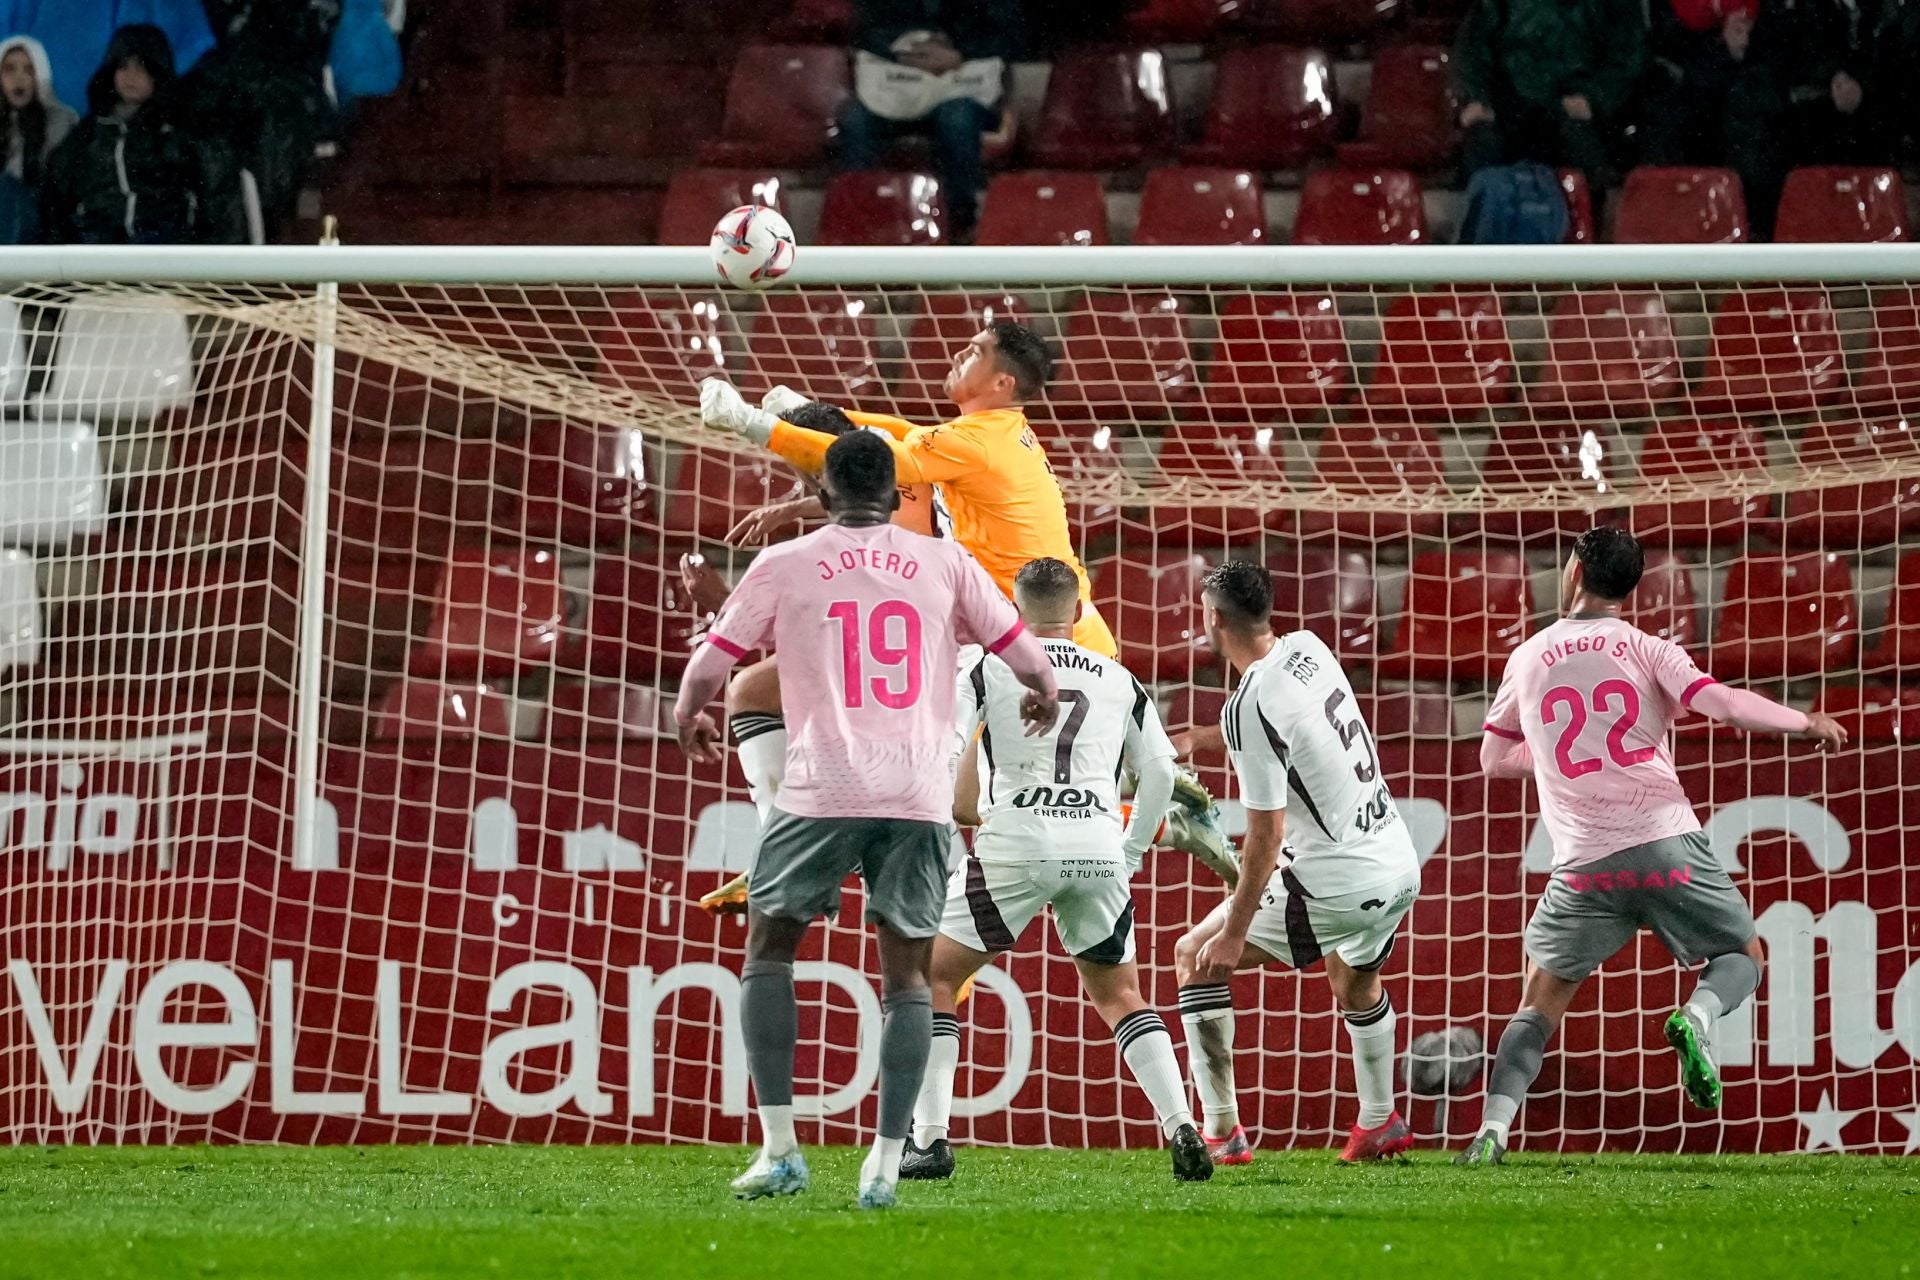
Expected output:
(752, 247)
(1443, 1063)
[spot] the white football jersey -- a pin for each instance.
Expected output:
(1299, 743)
(1057, 795)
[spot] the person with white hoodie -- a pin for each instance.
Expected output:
(35, 122)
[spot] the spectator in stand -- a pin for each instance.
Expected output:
(36, 124)
(1548, 81)
(938, 67)
(76, 33)
(1824, 54)
(127, 174)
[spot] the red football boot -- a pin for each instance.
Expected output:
(1232, 1149)
(1391, 1139)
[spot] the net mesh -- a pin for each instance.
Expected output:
(495, 936)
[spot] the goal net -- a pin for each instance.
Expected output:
(339, 625)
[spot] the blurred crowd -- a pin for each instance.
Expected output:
(175, 121)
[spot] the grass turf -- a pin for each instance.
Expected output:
(664, 1212)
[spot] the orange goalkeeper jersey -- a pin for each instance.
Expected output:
(999, 489)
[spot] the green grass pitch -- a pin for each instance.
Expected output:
(649, 1212)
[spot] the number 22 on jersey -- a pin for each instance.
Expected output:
(879, 655)
(1610, 697)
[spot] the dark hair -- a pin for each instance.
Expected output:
(1047, 579)
(1242, 590)
(146, 44)
(815, 416)
(1021, 352)
(32, 122)
(860, 471)
(1611, 561)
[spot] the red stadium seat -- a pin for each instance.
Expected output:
(1823, 205)
(376, 607)
(583, 138)
(1277, 353)
(714, 491)
(1411, 117)
(1897, 651)
(830, 20)
(1610, 354)
(1273, 108)
(821, 343)
(1330, 594)
(1442, 355)
(1531, 457)
(1201, 206)
(1333, 21)
(1124, 354)
(1153, 606)
(1105, 108)
(947, 323)
(639, 626)
(1854, 516)
(696, 199)
(494, 613)
(1872, 713)
(582, 711)
(1889, 383)
(1092, 459)
(1775, 351)
(1681, 206)
(584, 484)
(665, 343)
(428, 710)
(1227, 460)
(1361, 206)
(1786, 616)
(1683, 451)
(420, 493)
(883, 207)
(782, 100)
(1038, 207)
(1381, 462)
(1182, 21)
(1464, 615)
(1665, 604)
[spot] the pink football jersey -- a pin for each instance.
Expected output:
(868, 624)
(1594, 699)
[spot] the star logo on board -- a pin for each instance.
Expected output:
(1911, 1119)
(1823, 1125)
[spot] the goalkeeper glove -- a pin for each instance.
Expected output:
(722, 408)
(782, 401)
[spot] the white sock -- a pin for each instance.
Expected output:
(883, 1162)
(1207, 1014)
(1498, 1128)
(776, 1130)
(933, 1110)
(1705, 1008)
(1148, 1049)
(761, 744)
(1370, 1034)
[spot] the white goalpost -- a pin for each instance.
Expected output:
(340, 609)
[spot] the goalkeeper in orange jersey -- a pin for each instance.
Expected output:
(986, 469)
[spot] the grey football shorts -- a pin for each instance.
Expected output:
(797, 873)
(1672, 886)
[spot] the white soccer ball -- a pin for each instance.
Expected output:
(1445, 1063)
(752, 247)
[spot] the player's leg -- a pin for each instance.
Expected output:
(904, 863)
(1093, 916)
(1698, 913)
(1379, 1132)
(986, 908)
(1576, 927)
(797, 877)
(928, 1153)
(769, 1026)
(1206, 1013)
(759, 733)
(1523, 1047)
